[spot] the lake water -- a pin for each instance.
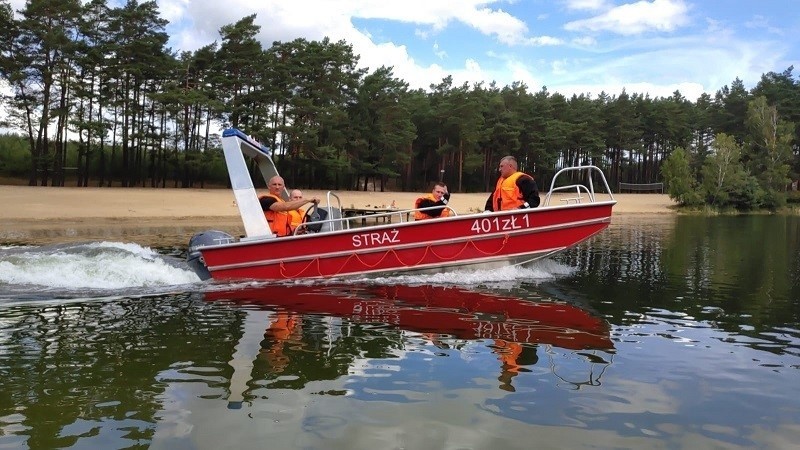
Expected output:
(662, 332)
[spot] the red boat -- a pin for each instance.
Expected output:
(334, 249)
(460, 313)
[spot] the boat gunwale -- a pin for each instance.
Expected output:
(378, 227)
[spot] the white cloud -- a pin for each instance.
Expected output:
(508, 29)
(540, 41)
(702, 49)
(521, 72)
(172, 10)
(759, 22)
(441, 54)
(636, 18)
(316, 19)
(713, 25)
(584, 41)
(473, 66)
(586, 5)
(559, 67)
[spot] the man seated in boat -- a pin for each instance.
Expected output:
(514, 189)
(296, 215)
(277, 210)
(438, 197)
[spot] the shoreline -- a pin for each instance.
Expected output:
(35, 215)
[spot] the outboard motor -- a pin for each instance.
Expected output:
(203, 239)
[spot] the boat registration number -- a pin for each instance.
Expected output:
(496, 224)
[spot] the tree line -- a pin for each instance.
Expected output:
(96, 93)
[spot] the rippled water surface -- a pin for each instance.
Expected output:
(662, 332)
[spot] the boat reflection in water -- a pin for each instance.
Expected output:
(447, 317)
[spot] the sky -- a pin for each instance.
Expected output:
(568, 46)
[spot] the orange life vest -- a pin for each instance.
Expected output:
(421, 215)
(279, 221)
(280, 331)
(296, 217)
(283, 326)
(508, 193)
(508, 353)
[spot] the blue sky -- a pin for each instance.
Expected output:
(570, 46)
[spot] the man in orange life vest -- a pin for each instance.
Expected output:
(296, 216)
(514, 190)
(438, 197)
(276, 210)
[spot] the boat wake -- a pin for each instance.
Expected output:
(503, 278)
(536, 272)
(103, 269)
(94, 268)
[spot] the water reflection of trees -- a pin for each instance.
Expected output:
(732, 271)
(74, 370)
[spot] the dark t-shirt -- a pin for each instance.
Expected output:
(425, 202)
(266, 202)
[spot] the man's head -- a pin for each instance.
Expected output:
(296, 194)
(276, 186)
(439, 189)
(508, 165)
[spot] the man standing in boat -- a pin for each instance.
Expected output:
(277, 210)
(514, 189)
(439, 196)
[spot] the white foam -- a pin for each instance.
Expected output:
(134, 249)
(535, 272)
(97, 265)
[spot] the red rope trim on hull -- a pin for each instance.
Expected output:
(367, 266)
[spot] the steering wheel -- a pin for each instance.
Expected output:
(313, 215)
(310, 217)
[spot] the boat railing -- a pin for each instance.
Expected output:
(338, 200)
(579, 189)
(341, 222)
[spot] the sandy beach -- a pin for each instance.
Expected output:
(168, 217)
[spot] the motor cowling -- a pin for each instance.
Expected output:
(203, 239)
